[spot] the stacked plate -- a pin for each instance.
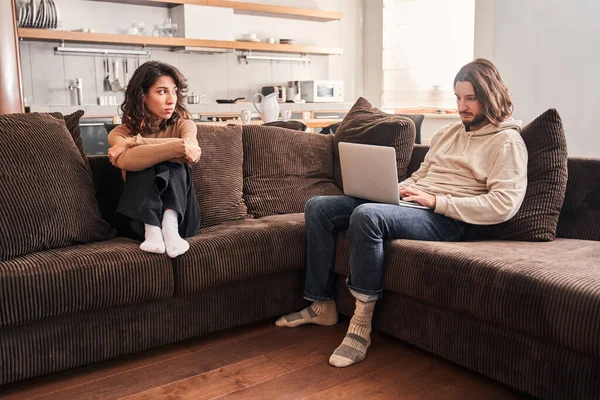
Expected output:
(288, 41)
(44, 15)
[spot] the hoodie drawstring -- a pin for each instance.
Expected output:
(452, 143)
(468, 141)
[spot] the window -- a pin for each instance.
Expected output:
(425, 42)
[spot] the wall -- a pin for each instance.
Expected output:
(547, 52)
(46, 76)
(373, 50)
(483, 45)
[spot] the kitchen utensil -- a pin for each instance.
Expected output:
(51, 14)
(288, 41)
(28, 17)
(47, 14)
(33, 13)
(125, 72)
(38, 21)
(195, 98)
(268, 107)
(116, 85)
(229, 101)
(56, 14)
(48, 23)
(107, 86)
(19, 14)
(246, 116)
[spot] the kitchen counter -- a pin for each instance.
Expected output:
(310, 123)
(431, 124)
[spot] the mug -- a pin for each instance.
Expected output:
(246, 116)
(286, 115)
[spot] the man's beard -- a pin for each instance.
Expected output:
(476, 121)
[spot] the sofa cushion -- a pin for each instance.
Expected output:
(367, 125)
(72, 123)
(548, 290)
(285, 168)
(48, 198)
(537, 218)
(218, 179)
(241, 250)
(108, 182)
(80, 278)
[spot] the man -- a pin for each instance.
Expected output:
(474, 173)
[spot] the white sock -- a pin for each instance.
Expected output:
(153, 240)
(176, 246)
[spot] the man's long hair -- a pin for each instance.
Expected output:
(136, 116)
(490, 89)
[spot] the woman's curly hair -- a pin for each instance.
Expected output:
(135, 115)
(490, 89)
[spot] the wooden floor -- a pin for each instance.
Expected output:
(261, 361)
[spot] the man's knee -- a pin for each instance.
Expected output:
(315, 205)
(366, 216)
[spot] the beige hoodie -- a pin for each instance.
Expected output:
(477, 177)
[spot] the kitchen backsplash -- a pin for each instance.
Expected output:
(47, 76)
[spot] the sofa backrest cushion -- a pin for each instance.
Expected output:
(418, 156)
(48, 198)
(367, 125)
(285, 168)
(72, 122)
(537, 218)
(580, 213)
(218, 176)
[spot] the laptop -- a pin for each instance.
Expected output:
(370, 172)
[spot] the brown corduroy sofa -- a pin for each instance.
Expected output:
(526, 314)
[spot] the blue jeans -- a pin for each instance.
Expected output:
(368, 225)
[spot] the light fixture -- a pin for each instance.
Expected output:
(249, 57)
(196, 49)
(86, 50)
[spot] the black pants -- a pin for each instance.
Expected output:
(147, 193)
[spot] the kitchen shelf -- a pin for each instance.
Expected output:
(243, 8)
(160, 41)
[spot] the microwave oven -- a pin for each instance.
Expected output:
(323, 91)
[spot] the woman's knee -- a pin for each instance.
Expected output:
(143, 176)
(176, 168)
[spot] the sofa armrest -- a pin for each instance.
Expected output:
(418, 155)
(580, 214)
(108, 183)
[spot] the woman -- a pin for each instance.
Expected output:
(154, 148)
